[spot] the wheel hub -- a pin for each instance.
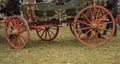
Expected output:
(95, 26)
(47, 29)
(16, 31)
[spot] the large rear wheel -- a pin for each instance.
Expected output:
(71, 28)
(91, 23)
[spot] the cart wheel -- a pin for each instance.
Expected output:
(71, 28)
(47, 33)
(17, 32)
(91, 25)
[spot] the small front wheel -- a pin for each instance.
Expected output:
(48, 33)
(17, 32)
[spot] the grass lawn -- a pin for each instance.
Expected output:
(65, 49)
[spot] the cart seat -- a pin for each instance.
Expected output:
(39, 13)
(44, 13)
(71, 5)
(44, 9)
(52, 6)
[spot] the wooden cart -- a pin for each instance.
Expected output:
(86, 18)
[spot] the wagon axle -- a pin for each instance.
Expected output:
(46, 29)
(16, 32)
(95, 26)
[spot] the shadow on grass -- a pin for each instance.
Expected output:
(3, 42)
(71, 42)
(55, 43)
(2, 39)
(39, 43)
(58, 42)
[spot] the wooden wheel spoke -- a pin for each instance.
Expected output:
(19, 43)
(15, 41)
(91, 12)
(52, 32)
(53, 28)
(42, 33)
(49, 34)
(98, 13)
(46, 34)
(103, 36)
(22, 30)
(85, 28)
(108, 22)
(88, 32)
(90, 38)
(108, 30)
(15, 23)
(86, 17)
(96, 37)
(24, 35)
(18, 19)
(83, 23)
(21, 25)
(12, 38)
(22, 40)
(104, 16)
(9, 28)
(39, 30)
(11, 25)
(103, 19)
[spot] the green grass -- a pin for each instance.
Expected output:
(65, 49)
